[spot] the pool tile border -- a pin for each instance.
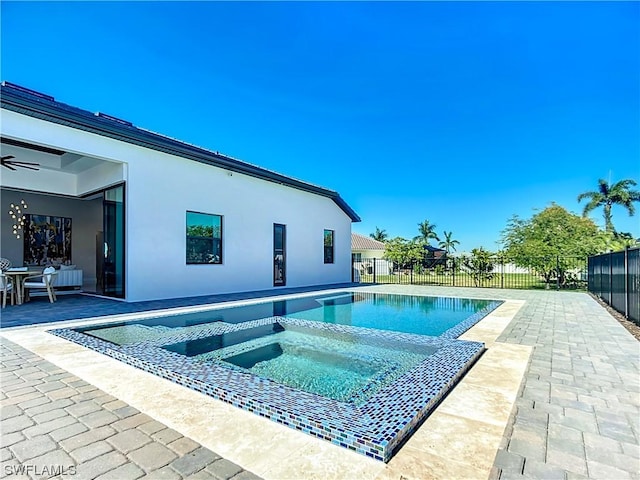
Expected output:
(375, 429)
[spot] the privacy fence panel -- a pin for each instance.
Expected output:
(618, 281)
(558, 273)
(615, 278)
(633, 284)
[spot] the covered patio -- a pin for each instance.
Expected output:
(70, 212)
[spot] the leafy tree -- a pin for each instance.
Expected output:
(448, 243)
(403, 252)
(427, 232)
(607, 195)
(379, 235)
(551, 242)
(616, 241)
(208, 231)
(479, 265)
(203, 244)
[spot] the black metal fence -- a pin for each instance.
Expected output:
(615, 278)
(561, 273)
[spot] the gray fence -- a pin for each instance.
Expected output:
(615, 278)
(562, 273)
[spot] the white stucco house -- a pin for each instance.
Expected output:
(145, 216)
(365, 251)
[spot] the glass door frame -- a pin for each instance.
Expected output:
(279, 256)
(120, 263)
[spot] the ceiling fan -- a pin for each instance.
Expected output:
(11, 164)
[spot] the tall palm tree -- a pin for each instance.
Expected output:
(380, 235)
(448, 243)
(607, 195)
(427, 232)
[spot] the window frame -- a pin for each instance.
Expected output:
(332, 258)
(281, 279)
(219, 261)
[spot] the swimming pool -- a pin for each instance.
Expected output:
(446, 317)
(434, 316)
(333, 375)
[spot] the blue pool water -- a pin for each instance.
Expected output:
(337, 366)
(399, 313)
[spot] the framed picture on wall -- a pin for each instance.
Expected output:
(47, 240)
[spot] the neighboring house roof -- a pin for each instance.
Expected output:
(437, 252)
(360, 242)
(37, 105)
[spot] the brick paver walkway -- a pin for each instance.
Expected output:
(578, 414)
(55, 425)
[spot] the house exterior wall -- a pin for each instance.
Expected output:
(156, 239)
(161, 188)
(366, 265)
(370, 253)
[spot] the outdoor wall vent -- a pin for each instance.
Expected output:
(28, 90)
(114, 119)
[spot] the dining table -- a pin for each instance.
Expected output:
(18, 275)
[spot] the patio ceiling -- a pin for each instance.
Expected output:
(48, 158)
(54, 171)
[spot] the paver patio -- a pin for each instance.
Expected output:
(577, 414)
(57, 425)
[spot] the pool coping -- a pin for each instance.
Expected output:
(375, 429)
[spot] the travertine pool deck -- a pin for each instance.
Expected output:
(555, 395)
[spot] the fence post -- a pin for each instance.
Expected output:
(413, 262)
(600, 277)
(375, 262)
(626, 282)
(610, 278)
(453, 265)
(501, 271)
(557, 272)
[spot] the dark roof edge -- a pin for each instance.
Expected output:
(84, 120)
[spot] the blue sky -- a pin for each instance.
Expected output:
(460, 113)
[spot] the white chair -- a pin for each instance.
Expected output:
(46, 282)
(6, 287)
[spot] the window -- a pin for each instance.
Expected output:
(204, 238)
(279, 255)
(356, 257)
(328, 246)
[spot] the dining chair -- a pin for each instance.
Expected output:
(46, 282)
(5, 264)
(6, 287)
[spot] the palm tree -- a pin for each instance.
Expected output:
(607, 195)
(427, 232)
(448, 244)
(380, 235)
